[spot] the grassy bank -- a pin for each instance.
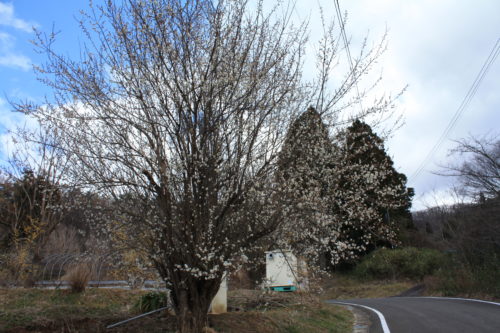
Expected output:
(48, 309)
(386, 272)
(321, 318)
(347, 287)
(25, 310)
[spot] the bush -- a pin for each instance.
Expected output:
(79, 277)
(152, 301)
(17, 268)
(406, 262)
(469, 279)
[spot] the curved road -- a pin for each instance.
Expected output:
(428, 314)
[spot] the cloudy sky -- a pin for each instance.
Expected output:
(437, 48)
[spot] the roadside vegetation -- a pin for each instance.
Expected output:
(390, 272)
(344, 286)
(52, 310)
(39, 310)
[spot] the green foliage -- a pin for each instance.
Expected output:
(344, 195)
(406, 262)
(364, 149)
(457, 278)
(152, 301)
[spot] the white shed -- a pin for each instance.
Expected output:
(281, 270)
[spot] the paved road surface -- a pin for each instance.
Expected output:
(423, 314)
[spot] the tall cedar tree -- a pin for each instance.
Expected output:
(385, 194)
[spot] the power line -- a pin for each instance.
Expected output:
(470, 94)
(465, 102)
(348, 52)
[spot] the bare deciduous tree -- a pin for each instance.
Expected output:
(185, 104)
(33, 190)
(479, 172)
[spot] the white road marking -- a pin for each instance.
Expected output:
(457, 299)
(381, 317)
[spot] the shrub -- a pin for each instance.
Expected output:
(78, 277)
(469, 279)
(152, 301)
(406, 262)
(17, 268)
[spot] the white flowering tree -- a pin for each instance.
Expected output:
(305, 175)
(184, 104)
(338, 196)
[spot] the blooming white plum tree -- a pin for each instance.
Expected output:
(304, 174)
(184, 104)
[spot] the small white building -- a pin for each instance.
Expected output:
(284, 272)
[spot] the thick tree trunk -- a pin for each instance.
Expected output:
(191, 302)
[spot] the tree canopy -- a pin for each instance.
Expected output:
(185, 105)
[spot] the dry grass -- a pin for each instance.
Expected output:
(318, 318)
(92, 310)
(23, 310)
(48, 309)
(78, 277)
(342, 287)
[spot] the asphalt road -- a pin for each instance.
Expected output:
(423, 314)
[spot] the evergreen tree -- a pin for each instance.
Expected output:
(340, 199)
(373, 192)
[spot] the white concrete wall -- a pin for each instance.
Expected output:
(219, 303)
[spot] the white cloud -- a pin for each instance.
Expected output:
(6, 41)
(445, 196)
(438, 49)
(15, 60)
(10, 122)
(8, 56)
(7, 18)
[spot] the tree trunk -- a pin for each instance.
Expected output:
(191, 303)
(191, 320)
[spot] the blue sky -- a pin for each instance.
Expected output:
(17, 19)
(436, 47)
